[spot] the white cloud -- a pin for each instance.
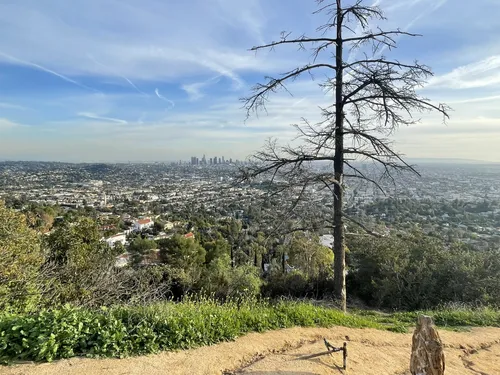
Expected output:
(44, 69)
(157, 92)
(481, 73)
(7, 124)
(113, 72)
(148, 44)
(97, 117)
(194, 90)
(153, 40)
(12, 106)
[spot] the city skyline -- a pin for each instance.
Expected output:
(158, 80)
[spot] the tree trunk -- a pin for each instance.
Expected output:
(338, 222)
(427, 357)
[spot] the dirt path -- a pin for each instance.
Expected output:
(287, 352)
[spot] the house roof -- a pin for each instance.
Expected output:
(189, 235)
(144, 221)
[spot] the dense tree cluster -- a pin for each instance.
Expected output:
(231, 259)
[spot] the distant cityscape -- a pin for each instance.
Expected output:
(212, 161)
(458, 202)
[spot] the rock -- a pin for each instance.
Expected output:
(427, 357)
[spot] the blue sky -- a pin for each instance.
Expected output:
(142, 80)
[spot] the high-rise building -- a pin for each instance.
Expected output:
(223, 162)
(220, 161)
(211, 161)
(231, 160)
(215, 159)
(204, 160)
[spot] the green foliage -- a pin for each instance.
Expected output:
(244, 282)
(418, 272)
(215, 278)
(182, 253)
(216, 249)
(186, 258)
(140, 247)
(20, 261)
(131, 330)
(77, 245)
(455, 316)
(307, 254)
(222, 281)
(77, 260)
(297, 284)
(122, 331)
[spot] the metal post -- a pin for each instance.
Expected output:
(344, 349)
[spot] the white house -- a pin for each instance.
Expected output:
(142, 224)
(120, 237)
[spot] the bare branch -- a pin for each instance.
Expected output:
(377, 35)
(300, 40)
(261, 91)
(375, 234)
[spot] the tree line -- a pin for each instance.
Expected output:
(73, 265)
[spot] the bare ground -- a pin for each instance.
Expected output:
(289, 351)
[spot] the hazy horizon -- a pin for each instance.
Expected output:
(417, 161)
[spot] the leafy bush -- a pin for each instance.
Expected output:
(244, 282)
(122, 331)
(415, 271)
(20, 261)
(297, 284)
(221, 281)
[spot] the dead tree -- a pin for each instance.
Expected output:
(373, 96)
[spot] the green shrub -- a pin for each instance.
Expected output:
(122, 331)
(297, 284)
(20, 260)
(414, 272)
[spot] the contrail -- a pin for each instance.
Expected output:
(24, 62)
(96, 117)
(118, 74)
(418, 17)
(157, 92)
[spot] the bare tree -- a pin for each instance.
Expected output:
(373, 96)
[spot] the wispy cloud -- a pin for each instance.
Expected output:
(12, 106)
(7, 124)
(475, 100)
(197, 50)
(425, 13)
(157, 92)
(46, 70)
(104, 118)
(478, 74)
(194, 90)
(113, 72)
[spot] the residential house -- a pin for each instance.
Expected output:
(117, 238)
(142, 224)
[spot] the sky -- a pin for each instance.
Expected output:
(160, 80)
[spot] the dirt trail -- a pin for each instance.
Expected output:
(286, 352)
